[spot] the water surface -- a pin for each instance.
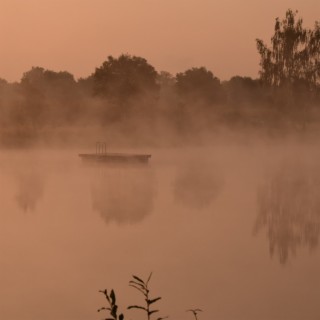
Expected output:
(231, 230)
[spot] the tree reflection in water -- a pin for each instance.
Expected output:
(123, 194)
(30, 189)
(289, 208)
(197, 185)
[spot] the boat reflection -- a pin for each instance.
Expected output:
(123, 195)
(289, 210)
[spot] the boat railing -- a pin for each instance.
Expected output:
(101, 148)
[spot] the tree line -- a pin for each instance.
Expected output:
(128, 93)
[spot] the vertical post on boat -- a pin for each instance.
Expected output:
(101, 147)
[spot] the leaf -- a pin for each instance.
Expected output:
(105, 293)
(194, 310)
(142, 291)
(137, 283)
(137, 278)
(149, 277)
(114, 311)
(113, 297)
(153, 300)
(137, 307)
(152, 311)
(104, 308)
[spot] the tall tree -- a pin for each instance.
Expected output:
(199, 84)
(41, 78)
(124, 77)
(242, 90)
(294, 56)
(49, 96)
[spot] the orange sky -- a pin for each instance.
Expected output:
(173, 35)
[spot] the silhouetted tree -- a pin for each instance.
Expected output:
(165, 79)
(199, 84)
(39, 77)
(167, 94)
(128, 84)
(243, 90)
(50, 96)
(34, 103)
(294, 53)
(86, 85)
(125, 77)
(200, 94)
(3, 82)
(246, 101)
(12, 115)
(292, 67)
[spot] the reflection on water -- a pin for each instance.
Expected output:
(196, 185)
(123, 194)
(289, 208)
(30, 189)
(207, 260)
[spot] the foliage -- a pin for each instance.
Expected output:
(165, 79)
(39, 77)
(198, 84)
(143, 287)
(243, 90)
(127, 97)
(112, 308)
(124, 77)
(195, 312)
(45, 93)
(294, 53)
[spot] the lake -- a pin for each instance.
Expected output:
(232, 230)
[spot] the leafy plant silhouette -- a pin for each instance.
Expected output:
(143, 287)
(113, 308)
(195, 312)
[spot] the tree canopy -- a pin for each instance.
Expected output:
(39, 77)
(124, 77)
(198, 84)
(126, 94)
(294, 55)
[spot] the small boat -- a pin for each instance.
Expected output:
(102, 155)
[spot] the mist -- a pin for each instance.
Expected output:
(128, 103)
(206, 220)
(224, 209)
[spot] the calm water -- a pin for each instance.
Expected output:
(231, 230)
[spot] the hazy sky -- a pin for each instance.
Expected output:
(173, 35)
